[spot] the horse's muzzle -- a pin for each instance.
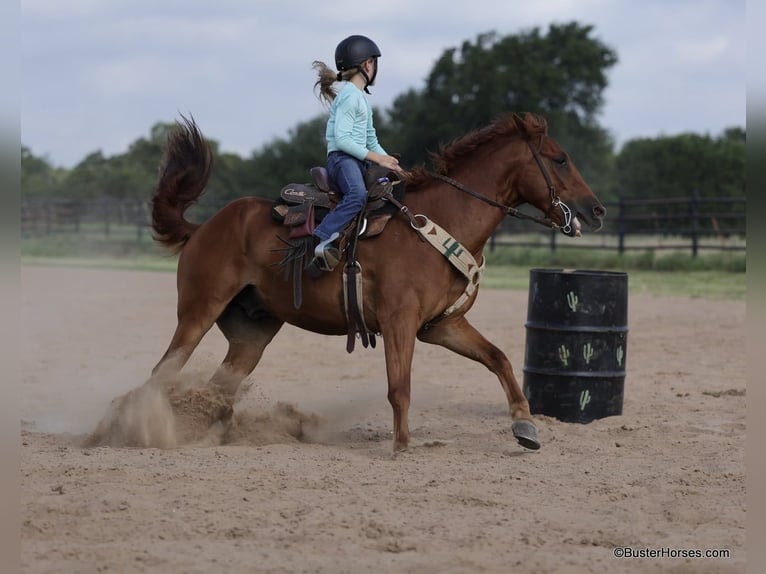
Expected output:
(593, 217)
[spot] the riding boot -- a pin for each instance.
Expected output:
(326, 255)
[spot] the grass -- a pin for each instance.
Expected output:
(706, 284)
(709, 275)
(123, 248)
(135, 263)
(644, 260)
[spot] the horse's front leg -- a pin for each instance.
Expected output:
(399, 342)
(458, 335)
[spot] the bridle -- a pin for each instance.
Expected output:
(512, 211)
(458, 256)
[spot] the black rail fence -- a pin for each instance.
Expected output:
(105, 217)
(690, 223)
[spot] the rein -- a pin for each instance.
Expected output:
(555, 199)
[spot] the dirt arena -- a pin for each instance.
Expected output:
(667, 476)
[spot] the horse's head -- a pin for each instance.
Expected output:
(551, 182)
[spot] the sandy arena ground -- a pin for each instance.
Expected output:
(669, 473)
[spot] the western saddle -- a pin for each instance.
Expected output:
(300, 207)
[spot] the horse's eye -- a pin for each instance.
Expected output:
(561, 159)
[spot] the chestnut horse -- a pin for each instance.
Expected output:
(228, 271)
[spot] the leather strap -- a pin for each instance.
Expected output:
(460, 258)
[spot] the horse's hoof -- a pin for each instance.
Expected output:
(226, 413)
(400, 447)
(526, 433)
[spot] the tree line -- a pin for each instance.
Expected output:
(559, 73)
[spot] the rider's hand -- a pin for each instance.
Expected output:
(387, 161)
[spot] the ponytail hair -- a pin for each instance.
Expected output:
(326, 80)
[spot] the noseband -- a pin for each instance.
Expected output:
(555, 199)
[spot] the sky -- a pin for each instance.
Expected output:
(98, 74)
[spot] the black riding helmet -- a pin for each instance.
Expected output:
(354, 50)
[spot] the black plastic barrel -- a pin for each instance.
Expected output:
(576, 345)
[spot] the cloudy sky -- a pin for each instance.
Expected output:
(97, 74)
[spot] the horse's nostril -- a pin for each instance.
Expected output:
(599, 211)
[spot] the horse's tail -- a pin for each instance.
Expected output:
(184, 173)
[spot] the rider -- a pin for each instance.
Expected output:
(352, 142)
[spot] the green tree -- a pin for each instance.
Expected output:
(88, 179)
(130, 175)
(560, 75)
(677, 167)
(288, 160)
(38, 177)
(731, 172)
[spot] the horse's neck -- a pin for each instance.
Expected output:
(469, 219)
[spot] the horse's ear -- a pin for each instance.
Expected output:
(521, 125)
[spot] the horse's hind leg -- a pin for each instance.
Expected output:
(187, 336)
(248, 337)
(460, 336)
(199, 305)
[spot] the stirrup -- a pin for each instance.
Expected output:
(326, 255)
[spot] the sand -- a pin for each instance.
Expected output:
(304, 480)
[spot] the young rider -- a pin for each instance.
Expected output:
(351, 138)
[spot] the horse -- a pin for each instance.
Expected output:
(228, 272)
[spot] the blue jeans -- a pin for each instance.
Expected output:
(347, 173)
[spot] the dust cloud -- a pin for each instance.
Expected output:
(169, 413)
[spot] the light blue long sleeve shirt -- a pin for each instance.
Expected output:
(350, 128)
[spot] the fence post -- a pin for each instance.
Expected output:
(694, 215)
(138, 209)
(105, 207)
(621, 226)
(48, 209)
